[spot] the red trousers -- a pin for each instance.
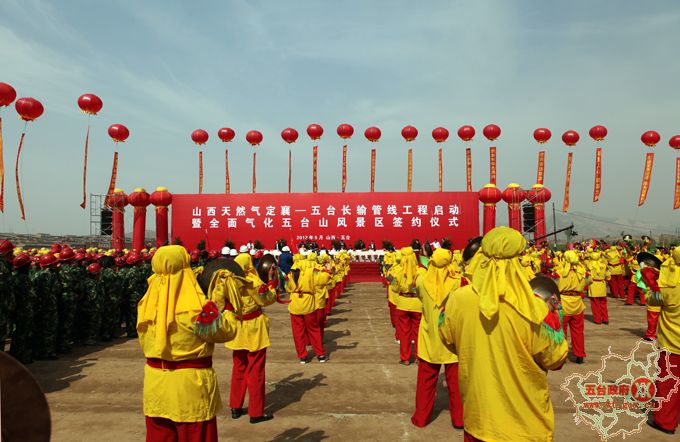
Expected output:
(306, 329)
(575, 323)
(407, 331)
(160, 429)
(467, 437)
(426, 390)
(247, 373)
(616, 286)
(393, 314)
(599, 308)
(652, 321)
(633, 290)
(321, 317)
(667, 416)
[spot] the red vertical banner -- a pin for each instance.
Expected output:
(87, 140)
(254, 169)
(441, 169)
(409, 180)
(290, 170)
(492, 168)
(676, 202)
(227, 183)
(16, 175)
(540, 169)
(372, 170)
(315, 166)
(598, 174)
(567, 181)
(112, 182)
(468, 169)
(200, 172)
(646, 178)
(344, 167)
(2, 173)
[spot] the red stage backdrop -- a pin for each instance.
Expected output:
(321, 217)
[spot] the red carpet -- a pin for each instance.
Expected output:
(364, 272)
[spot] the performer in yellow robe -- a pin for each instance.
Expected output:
(597, 290)
(181, 396)
(495, 326)
(433, 288)
(571, 283)
(409, 307)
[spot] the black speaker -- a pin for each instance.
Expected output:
(105, 216)
(528, 220)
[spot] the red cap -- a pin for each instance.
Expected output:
(259, 254)
(213, 254)
(66, 254)
(80, 256)
(22, 259)
(133, 258)
(56, 248)
(48, 260)
(5, 246)
(94, 268)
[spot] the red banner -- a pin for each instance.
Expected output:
(646, 178)
(254, 171)
(87, 139)
(112, 181)
(227, 183)
(200, 172)
(598, 174)
(16, 176)
(315, 170)
(676, 202)
(492, 166)
(344, 167)
(468, 169)
(567, 182)
(372, 170)
(395, 216)
(540, 169)
(409, 180)
(290, 170)
(2, 173)
(441, 169)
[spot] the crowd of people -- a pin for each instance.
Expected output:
(495, 316)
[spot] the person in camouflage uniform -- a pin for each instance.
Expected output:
(112, 289)
(26, 300)
(6, 292)
(46, 285)
(71, 276)
(135, 285)
(91, 308)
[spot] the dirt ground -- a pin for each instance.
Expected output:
(362, 393)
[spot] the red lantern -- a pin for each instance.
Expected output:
(570, 137)
(674, 142)
(254, 137)
(289, 135)
(29, 109)
(118, 133)
(440, 134)
(650, 138)
(372, 134)
(226, 134)
(345, 131)
(598, 133)
(7, 94)
(467, 133)
(490, 194)
(409, 133)
(314, 131)
(90, 104)
(542, 135)
(491, 132)
(199, 136)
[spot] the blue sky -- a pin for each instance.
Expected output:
(165, 68)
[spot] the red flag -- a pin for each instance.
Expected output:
(2, 173)
(372, 170)
(540, 169)
(290, 170)
(87, 139)
(676, 202)
(254, 174)
(567, 181)
(409, 181)
(200, 172)
(16, 175)
(227, 186)
(344, 167)
(598, 174)
(112, 182)
(492, 167)
(646, 178)
(315, 158)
